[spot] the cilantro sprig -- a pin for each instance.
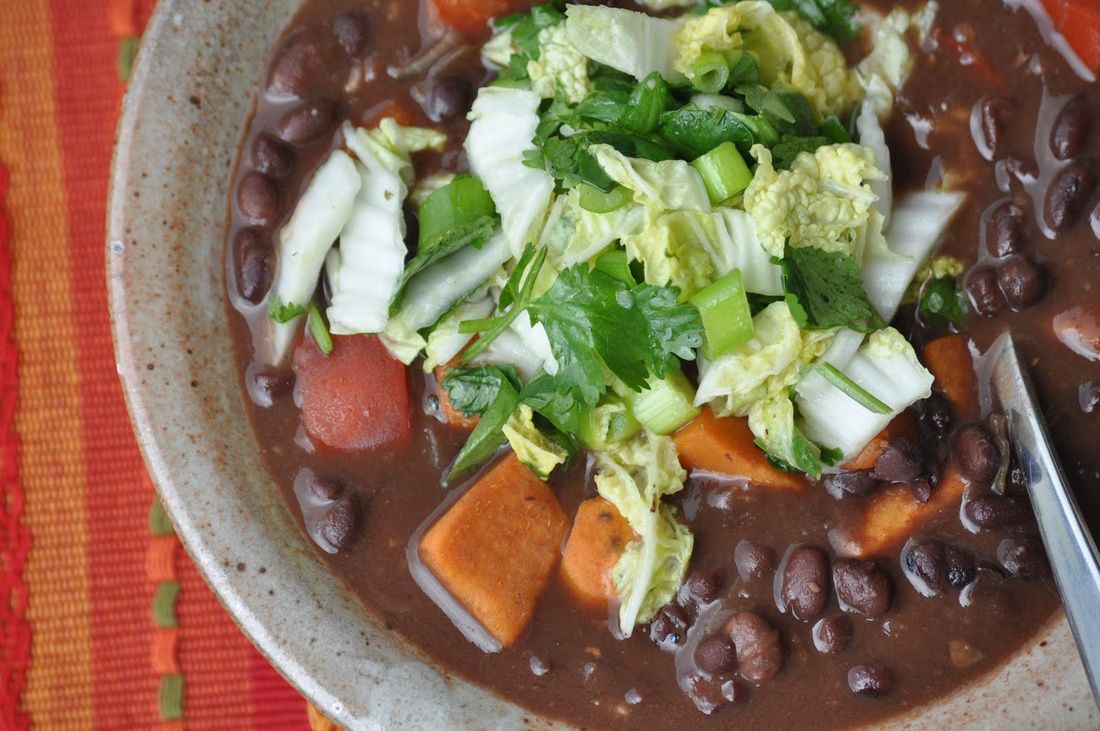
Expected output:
(825, 290)
(594, 320)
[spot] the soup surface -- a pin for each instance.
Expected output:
(847, 598)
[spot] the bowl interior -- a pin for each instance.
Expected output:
(184, 116)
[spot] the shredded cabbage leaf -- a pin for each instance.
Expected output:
(633, 477)
(887, 367)
(503, 125)
(445, 341)
(533, 448)
(627, 41)
(559, 66)
(671, 185)
(572, 234)
(372, 243)
(304, 241)
(825, 200)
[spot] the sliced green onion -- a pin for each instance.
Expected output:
(666, 405)
(710, 72)
(595, 200)
(726, 314)
(616, 428)
(319, 330)
(834, 130)
(458, 203)
(851, 389)
(744, 68)
(615, 264)
(724, 172)
(487, 437)
(472, 327)
(527, 277)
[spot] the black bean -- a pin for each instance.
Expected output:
(272, 157)
(985, 294)
(1023, 558)
(960, 567)
(901, 461)
(1004, 232)
(1071, 129)
(977, 453)
(833, 635)
(669, 627)
(253, 264)
(351, 31)
(937, 413)
(759, 651)
(921, 489)
(703, 585)
(258, 197)
(1022, 282)
(299, 64)
(994, 113)
(450, 98)
(859, 483)
(924, 564)
(308, 122)
(1066, 195)
(862, 587)
(753, 560)
(274, 384)
(340, 525)
(995, 512)
(874, 680)
(804, 583)
(716, 655)
(326, 488)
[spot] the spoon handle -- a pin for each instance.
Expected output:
(1073, 555)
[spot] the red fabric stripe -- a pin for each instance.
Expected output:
(278, 707)
(15, 634)
(87, 99)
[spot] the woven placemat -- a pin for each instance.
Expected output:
(104, 621)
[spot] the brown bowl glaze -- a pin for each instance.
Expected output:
(184, 117)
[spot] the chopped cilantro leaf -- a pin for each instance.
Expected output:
(825, 290)
(283, 312)
(594, 320)
(473, 390)
(941, 299)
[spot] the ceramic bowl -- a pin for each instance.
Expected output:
(184, 117)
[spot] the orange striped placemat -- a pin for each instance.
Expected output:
(104, 622)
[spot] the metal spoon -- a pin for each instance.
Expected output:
(1074, 558)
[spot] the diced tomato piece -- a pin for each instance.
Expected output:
(355, 398)
(472, 17)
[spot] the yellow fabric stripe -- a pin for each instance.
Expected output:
(59, 684)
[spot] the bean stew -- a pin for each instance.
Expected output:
(627, 357)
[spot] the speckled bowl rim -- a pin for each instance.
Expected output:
(184, 113)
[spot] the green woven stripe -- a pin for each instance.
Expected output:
(159, 525)
(170, 697)
(164, 604)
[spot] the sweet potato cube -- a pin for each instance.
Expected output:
(893, 514)
(726, 446)
(949, 360)
(495, 548)
(903, 425)
(599, 536)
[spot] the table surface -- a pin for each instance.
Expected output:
(104, 621)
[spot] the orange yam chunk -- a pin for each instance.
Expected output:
(903, 425)
(726, 446)
(452, 417)
(893, 514)
(599, 536)
(495, 548)
(948, 358)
